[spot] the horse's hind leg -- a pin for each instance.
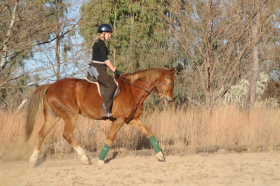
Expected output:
(138, 124)
(68, 134)
(50, 119)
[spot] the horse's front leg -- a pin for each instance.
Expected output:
(138, 124)
(115, 128)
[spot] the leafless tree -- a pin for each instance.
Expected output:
(29, 27)
(263, 34)
(216, 38)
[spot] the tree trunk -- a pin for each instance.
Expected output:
(255, 54)
(209, 60)
(5, 43)
(58, 72)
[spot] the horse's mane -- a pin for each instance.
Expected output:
(150, 74)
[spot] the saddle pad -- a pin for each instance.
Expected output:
(101, 88)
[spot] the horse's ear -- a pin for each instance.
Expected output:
(172, 71)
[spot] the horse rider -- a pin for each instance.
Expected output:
(98, 68)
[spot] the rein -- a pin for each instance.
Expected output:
(135, 85)
(160, 95)
(145, 89)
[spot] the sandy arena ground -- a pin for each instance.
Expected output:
(240, 169)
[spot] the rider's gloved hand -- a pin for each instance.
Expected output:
(117, 73)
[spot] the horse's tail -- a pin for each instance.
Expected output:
(34, 103)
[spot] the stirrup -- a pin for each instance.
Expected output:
(108, 116)
(105, 114)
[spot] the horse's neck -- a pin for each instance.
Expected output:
(146, 87)
(139, 90)
(139, 96)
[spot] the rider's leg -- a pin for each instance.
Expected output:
(110, 86)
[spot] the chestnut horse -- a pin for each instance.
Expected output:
(69, 97)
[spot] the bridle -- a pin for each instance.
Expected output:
(162, 92)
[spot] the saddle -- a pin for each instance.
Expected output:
(101, 88)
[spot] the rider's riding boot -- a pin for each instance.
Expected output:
(105, 114)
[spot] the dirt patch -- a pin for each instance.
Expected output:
(199, 169)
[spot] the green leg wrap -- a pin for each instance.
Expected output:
(155, 144)
(104, 152)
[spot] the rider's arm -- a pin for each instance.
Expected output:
(110, 65)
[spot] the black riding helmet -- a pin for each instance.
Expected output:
(105, 28)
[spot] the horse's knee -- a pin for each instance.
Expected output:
(42, 135)
(68, 136)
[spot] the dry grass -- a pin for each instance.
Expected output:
(179, 129)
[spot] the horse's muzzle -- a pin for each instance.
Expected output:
(167, 100)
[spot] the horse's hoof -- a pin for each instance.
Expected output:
(32, 164)
(160, 157)
(100, 162)
(85, 160)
